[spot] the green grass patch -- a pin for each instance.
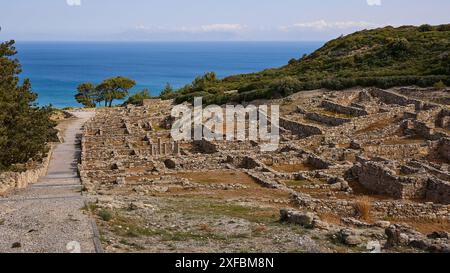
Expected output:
(105, 215)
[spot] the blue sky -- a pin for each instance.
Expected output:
(191, 20)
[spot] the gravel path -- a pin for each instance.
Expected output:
(47, 216)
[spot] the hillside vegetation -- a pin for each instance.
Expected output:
(383, 57)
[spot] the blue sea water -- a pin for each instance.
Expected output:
(57, 68)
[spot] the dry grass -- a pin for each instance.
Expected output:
(363, 208)
(426, 226)
(330, 218)
(217, 177)
(293, 168)
(260, 229)
(380, 124)
(205, 228)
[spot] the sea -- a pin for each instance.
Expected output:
(57, 68)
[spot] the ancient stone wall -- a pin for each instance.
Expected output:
(318, 162)
(347, 110)
(299, 129)
(426, 131)
(397, 209)
(329, 120)
(205, 146)
(150, 102)
(438, 191)
(412, 182)
(361, 123)
(398, 152)
(14, 180)
(444, 148)
(389, 97)
(380, 179)
(444, 119)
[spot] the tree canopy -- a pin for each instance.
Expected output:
(138, 98)
(25, 128)
(111, 89)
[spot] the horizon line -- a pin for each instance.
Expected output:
(165, 41)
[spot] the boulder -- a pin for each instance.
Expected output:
(304, 219)
(170, 163)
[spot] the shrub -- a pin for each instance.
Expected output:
(425, 28)
(439, 85)
(286, 86)
(253, 95)
(167, 93)
(363, 208)
(138, 98)
(398, 47)
(252, 86)
(292, 61)
(105, 215)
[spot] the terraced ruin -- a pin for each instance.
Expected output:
(354, 169)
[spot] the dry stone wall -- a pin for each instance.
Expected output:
(299, 129)
(14, 180)
(347, 110)
(329, 120)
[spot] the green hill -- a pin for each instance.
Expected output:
(383, 57)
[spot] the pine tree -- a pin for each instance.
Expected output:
(24, 128)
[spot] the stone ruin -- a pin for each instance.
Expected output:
(334, 146)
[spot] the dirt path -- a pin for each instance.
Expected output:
(47, 216)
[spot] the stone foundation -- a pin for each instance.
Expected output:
(299, 129)
(328, 120)
(377, 177)
(444, 148)
(346, 110)
(12, 180)
(381, 209)
(438, 191)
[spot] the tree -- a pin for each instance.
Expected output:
(138, 98)
(114, 89)
(167, 93)
(25, 128)
(87, 95)
(425, 28)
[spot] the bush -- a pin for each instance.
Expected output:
(398, 47)
(252, 86)
(189, 97)
(286, 86)
(439, 85)
(217, 99)
(168, 92)
(138, 98)
(425, 28)
(363, 208)
(105, 215)
(253, 95)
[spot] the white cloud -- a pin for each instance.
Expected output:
(222, 28)
(322, 25)
(73, 2)
(374, 2)
(200, 29)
